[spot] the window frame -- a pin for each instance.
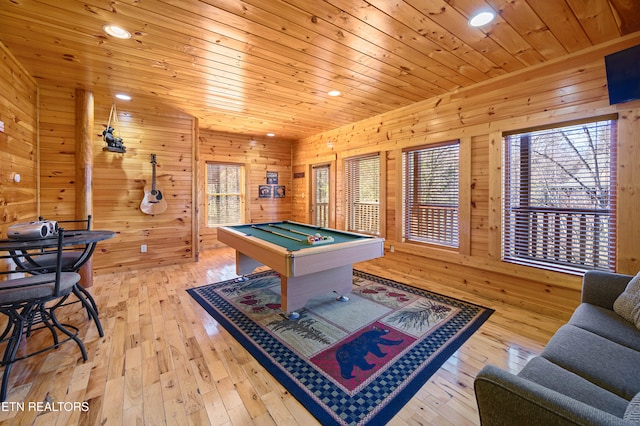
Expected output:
(242, 194)
(351, 192)
(449, 215)
(564, 219)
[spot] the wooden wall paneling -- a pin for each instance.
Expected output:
(119, 179)
(259, 155)
(628, 235)
(464, 196)
(394, 230)
(559, 301)
(494, 213)
(384, 195)
(571, 89)
(57, 153)
(479, 196)
(300, 193)
(338, 189)
(196, 186)
(18, 143)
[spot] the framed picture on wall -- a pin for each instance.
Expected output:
(264, 191)
(279, 191)
(272, 178)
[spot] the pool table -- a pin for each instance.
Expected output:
(307, 269)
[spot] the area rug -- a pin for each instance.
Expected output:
(349, 363)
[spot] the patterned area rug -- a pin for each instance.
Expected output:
(348, 363)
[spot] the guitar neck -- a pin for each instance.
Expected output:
(153, 173)
(153, 178)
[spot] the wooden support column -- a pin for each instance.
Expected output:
(84, 167)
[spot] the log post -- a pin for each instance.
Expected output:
(84, 167)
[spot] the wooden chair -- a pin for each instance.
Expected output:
(29, 297)
(72, 259)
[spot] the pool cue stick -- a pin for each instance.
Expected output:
(291, 230)
(277, 233)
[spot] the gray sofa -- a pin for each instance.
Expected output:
(587, 374)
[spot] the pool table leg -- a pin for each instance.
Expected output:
(296, 291)
(245, 265)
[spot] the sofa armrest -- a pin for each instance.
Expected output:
(603, 288)
(507, 399)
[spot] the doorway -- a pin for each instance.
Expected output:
(320, 194)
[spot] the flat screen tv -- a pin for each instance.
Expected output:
(623, 75)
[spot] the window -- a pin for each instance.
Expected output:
(431, 183)
(225, 194)
(362, 180)
(559, 200)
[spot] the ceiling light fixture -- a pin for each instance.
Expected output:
(271, 134)
(123, 97)
(334, 93)
(116, 31)
(482, 18)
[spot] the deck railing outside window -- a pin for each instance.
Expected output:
(435, 224)
(562, 236)
(362, 194)
(366, 217)
(431, 176)
(560, 197)
(322, 214)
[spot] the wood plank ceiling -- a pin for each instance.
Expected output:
(258, 66)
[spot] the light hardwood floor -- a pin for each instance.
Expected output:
(164, 360)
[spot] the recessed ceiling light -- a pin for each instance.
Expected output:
(116, 31)
(334, 93)
(123, 97)
(271, 134)
(482, 18)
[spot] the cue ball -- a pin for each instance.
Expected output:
(317, 235)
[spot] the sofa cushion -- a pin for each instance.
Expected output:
(596, 359)
(632, 414)
(606, 323)
(552, 376)
(627, 305)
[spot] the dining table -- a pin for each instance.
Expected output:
(20, 249)
(89, 238)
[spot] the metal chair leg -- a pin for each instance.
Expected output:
(87, 301)
(9, 357)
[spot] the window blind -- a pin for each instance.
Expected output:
(362, 191)
(431, 192)
(559, 197)
(225, 194)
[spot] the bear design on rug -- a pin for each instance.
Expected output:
(353, 353)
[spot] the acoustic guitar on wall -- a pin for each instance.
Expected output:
(153, 201)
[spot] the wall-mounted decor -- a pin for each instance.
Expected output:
(153, 201)
(114, 142)
(279, 191)
(272, 178)
(298, 175)
(264, 191)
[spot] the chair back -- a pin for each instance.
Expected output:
(74, 224)
(21, 268)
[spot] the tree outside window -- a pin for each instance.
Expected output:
(559, 197)
(431, 192)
